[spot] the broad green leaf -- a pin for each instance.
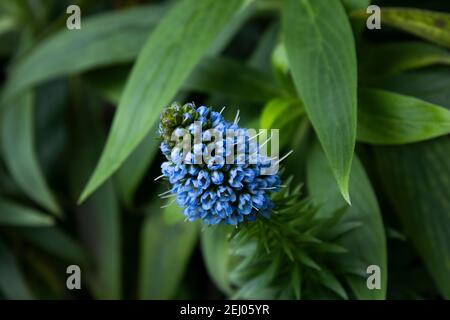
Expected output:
(13, 214)
(431, 84)
(165, 253)
(429, 25)
(216, 254)
(104, 39)
(12, 282)
(416, 180)
(170, 54)
(391, 118)
(366, 244)
(99, 218)
(321, 53)
(383, 60)
(19, 152)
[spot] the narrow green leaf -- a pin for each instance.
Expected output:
(330, 282)
(12, 214)
(99, 218)
(391, 118)
(261, 56)
(429, 25)
(50, 127)
(308, 261)
(430, 84)
(19, 151)
(56, 242)
(133, 169)
(104, 40)
(351, 5)
(165, 253)
(12, 283)
(100, 231)
(170, 54)
(297, 283)
(216, 254)
(321, 53)
(109, 82)
(366, 244)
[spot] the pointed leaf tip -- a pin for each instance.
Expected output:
(343, 188)
(175, 35)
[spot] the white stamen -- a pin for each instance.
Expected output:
(222, 110)
(168, 191)
(285, 156)
(255, 208)
(168, 205)
(264, 143)
(159, 177)
(249, 139)
(167, 196)
(236, 119)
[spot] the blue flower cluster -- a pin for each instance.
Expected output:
(215, 191)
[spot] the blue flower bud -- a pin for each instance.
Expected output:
(215, 191)
(207, 199)
(217, 177)
(236, 176)
(245, 204)
(203, 111)
(203, 180)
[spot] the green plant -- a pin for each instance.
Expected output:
(365, 111)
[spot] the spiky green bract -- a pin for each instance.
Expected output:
(289, 256)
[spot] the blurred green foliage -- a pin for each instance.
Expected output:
(367, 113)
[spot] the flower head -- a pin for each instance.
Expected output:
(214, 190)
